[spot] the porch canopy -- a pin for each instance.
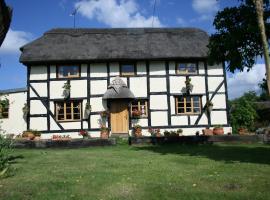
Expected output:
(118, 90)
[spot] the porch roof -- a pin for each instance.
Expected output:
(118, 90)
(76, 45)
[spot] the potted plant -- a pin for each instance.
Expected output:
(166, 133)
(137, 130)
(87, 111)
(37, 134)
(179, 131)
(28, 134)
(207, 131)
(209, 106)
(189, 86)
(136, 114)
(154, 132)
(174, 134)
(66, 91)
(84, 133)
(25, 110)
(104, 114)
(218, 130)
(104, 132)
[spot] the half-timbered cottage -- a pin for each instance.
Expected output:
(75, 77)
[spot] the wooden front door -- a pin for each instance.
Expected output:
(119, 117)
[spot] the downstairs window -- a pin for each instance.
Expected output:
(141, 106)
(68, 111)
(188, 104)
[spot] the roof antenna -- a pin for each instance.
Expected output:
(73, 14)
(154, 10)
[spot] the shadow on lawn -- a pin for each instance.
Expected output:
(227, 153)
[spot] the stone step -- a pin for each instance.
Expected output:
(121, 135)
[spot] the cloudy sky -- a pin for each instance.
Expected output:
(32, 18)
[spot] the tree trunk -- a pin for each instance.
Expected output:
(260, 11)
(5, 19)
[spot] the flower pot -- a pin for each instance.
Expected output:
(37, 138)
(207, 131)
(218, 131)
(31, 136)
(138, 132)
(104, 135)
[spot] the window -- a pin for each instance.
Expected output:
(68, 111)
(186, 68)
(188, 104)
(68, 71)
(4, 112)
(127, 70)
(141, 106)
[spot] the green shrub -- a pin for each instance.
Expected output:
(243, 112)
(5, 154)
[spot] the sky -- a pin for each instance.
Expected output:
(31, 18)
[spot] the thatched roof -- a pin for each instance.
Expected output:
(61, 45)
(118, 90)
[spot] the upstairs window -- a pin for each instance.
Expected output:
(141, 106)
(186, 68)
(68, 111)
(68, 71)
(127, 70)
(188, 104)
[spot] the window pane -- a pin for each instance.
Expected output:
(191, 67)
(181, 67)
(196, 110)
(77, 116)
(66, 71)
(181, 110)
(127, 69)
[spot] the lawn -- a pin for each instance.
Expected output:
(224, 171)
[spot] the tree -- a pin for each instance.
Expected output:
(239, 36)
(5, 19)
(259, 11)
(243, 112)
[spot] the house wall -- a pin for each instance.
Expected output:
(156, 81)
(15, 123)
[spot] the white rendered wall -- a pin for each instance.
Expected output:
(15, 124)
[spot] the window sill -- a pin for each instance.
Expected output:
(64, 121)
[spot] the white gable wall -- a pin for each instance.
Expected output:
(15, 124)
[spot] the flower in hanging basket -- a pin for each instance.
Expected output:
(25, 110)
(88, 110)
(66, 91)
(136, 114)
(189, 86)
(104, 113)
(209, 106)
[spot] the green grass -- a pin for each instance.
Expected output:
(239, 171)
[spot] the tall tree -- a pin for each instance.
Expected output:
(5, 19)
(240, 36)
(259, 11)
